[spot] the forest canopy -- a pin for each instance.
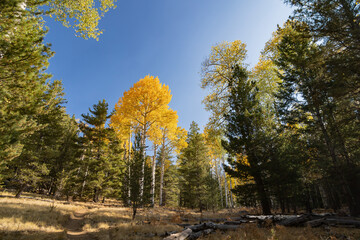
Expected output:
(283, 135)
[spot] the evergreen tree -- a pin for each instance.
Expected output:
(23, 60)
(101, 152)
(65, 167)
(132, 179)
(316, 98)
(194, 169)
(169, 179)
(41, 149)
(248, 142)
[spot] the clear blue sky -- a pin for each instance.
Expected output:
(164, 38)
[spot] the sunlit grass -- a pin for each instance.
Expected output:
(33, 219)
(39, 219)
(251, 231)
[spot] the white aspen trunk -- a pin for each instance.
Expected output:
(84, 182)
(220, 187)
(143, 140)
(153, 178)
(231, 196)
(226, 192)
(129, 168)
(23, 5)
(323, 196)
(162, 177)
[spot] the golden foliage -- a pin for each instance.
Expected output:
(145, 108)
(217, 71)
(84, 14)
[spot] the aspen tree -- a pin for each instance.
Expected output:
(143, 106)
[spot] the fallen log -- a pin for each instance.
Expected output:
(296, 221)
(235, 222)
(203, 226)
(226, 227)
(335, 221)
(179, 236)
(342, 222)
(216, 220)
(196, 235)
(315, 223)
(183, 224)
(237, 218)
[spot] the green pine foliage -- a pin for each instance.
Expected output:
(194, 169)
(247, 135)
(23, 60)
(171, 189)
(101, 160)
(322, 101)
(131, 180)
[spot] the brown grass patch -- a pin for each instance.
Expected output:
(40, 219)
(251, 231)
(33, 219)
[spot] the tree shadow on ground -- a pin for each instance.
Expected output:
(32, 235)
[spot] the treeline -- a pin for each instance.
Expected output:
(282, 135)
(291, 124)
(127, 154)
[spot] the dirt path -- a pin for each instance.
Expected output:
(74, 227)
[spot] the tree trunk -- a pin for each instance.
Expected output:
(231, 196)
(20, 190)
(353, 206)
(96, 194)
(134, 207)
(143, 141)
(220, 188)
(153, 178)
(84, 181)
(226, 192)
(323, 195)
(161, 203)
(264, 200)
(129, 169)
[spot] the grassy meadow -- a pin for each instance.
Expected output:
(36, 217)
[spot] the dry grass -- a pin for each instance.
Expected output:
(44, 219)
(251, 231)
(116, 223)
(33, 219)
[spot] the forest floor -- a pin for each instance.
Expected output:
(36, 217)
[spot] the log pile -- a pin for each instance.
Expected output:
(207, 226)
(198, 230)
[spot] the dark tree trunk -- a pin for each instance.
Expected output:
(96, 195)
(134, 211)
(264, 200)
(20, 190)
(352, 204)
(282, 205)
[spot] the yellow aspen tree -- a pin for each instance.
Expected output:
(82, 15)
(216, 153)
(144, 106)
(167, 123)
(216, 73)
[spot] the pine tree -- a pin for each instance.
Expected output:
(323, 105)
(132, 179)
(247, 140)
(23, 60)
(194, 169)
(98, 162)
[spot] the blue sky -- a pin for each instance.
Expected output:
(164, 38)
